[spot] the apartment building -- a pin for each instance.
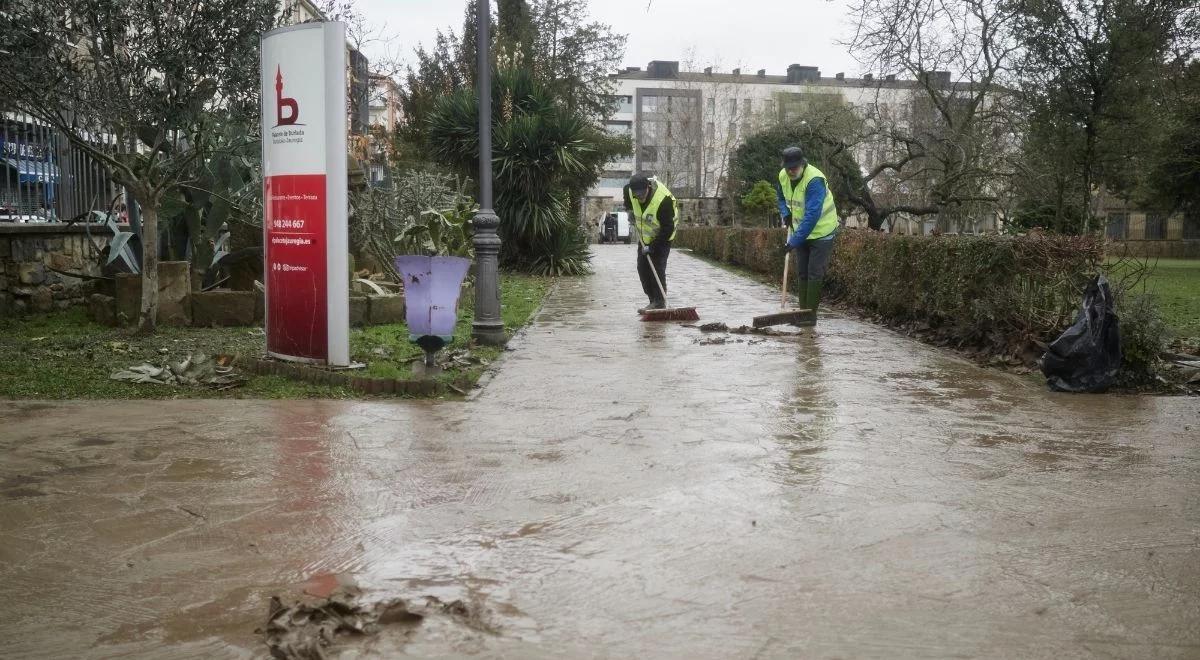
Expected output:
(685, 125)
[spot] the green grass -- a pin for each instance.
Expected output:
(66, 356)
(1175, 286)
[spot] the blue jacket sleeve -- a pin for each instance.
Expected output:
(814, 201)
(783, 205)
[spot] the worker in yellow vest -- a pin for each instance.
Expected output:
(654, 210)
(810, 216)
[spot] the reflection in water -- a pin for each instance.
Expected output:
(807, 419)
(304, 461)
(314, 489)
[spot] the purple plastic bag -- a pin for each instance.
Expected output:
(431, 288)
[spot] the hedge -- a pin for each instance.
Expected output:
(996, 292)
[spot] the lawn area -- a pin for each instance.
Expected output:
(1175, 285)
(66, 356)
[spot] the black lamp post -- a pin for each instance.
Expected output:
(488, 327)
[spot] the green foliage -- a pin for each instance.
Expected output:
(1172, 283)
(1034, 212)
(761, 201)
(66, 356)
(996, 294)
(1172, 173)
(569, 54)
(422, 212)
(438, 232)
(148, 75)
(1099, 87)
(539, 150)
(757, 160)
(1144, 336)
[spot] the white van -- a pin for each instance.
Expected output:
(614, 227)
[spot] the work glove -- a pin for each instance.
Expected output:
(787, 220)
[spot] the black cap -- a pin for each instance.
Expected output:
(639, 183)
(792, 157)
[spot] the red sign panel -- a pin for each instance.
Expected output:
(296, 266)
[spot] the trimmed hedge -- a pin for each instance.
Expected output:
(994, 292)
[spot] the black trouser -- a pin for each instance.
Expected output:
(812, 259)
(658, 254)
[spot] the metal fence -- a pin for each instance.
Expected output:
(45, 178)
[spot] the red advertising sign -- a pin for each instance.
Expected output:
(296, 273)
(304, 193)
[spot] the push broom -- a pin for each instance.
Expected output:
(788, 315)
(668, 313)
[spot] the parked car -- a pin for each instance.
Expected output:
(615, 227)
(12, 215)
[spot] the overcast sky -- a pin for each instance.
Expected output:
(752, 34)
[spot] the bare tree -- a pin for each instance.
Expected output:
(951, 155)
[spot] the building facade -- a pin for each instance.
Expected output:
(685, 125)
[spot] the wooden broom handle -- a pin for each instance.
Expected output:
(787, 260)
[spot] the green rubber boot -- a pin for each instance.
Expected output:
(812, 298)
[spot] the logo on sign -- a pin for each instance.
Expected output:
(283, 103)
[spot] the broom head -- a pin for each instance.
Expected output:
(801, 317)
(671, 314)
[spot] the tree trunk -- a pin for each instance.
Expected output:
(1089, 156)
(149, 313)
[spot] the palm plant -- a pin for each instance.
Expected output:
(539, 148)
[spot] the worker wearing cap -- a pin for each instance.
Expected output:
(810, 216)
(653, 209)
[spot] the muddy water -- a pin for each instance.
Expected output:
(620, 489)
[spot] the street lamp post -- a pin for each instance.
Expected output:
(488, 327)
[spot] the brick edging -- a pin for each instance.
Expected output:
(322, 376)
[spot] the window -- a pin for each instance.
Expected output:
(1156, 227)
(648, 154)
(652, 131)
(686, 105)
(618, 127)
(708, 130)
(709, 106)
(1191, 225)
(769, 107)
(746, 108)
(710, 154)
(614, 179)
(1118, 226)
(649, 103)
(732, 107)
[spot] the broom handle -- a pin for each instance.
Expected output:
(654, 271)
(787, 260)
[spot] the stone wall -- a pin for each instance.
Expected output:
(28, 252)
(705, 211)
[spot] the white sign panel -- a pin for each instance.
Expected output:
(304, 193)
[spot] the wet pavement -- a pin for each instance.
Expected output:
(620, 489)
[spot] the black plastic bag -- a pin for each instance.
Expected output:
(1087, 357)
